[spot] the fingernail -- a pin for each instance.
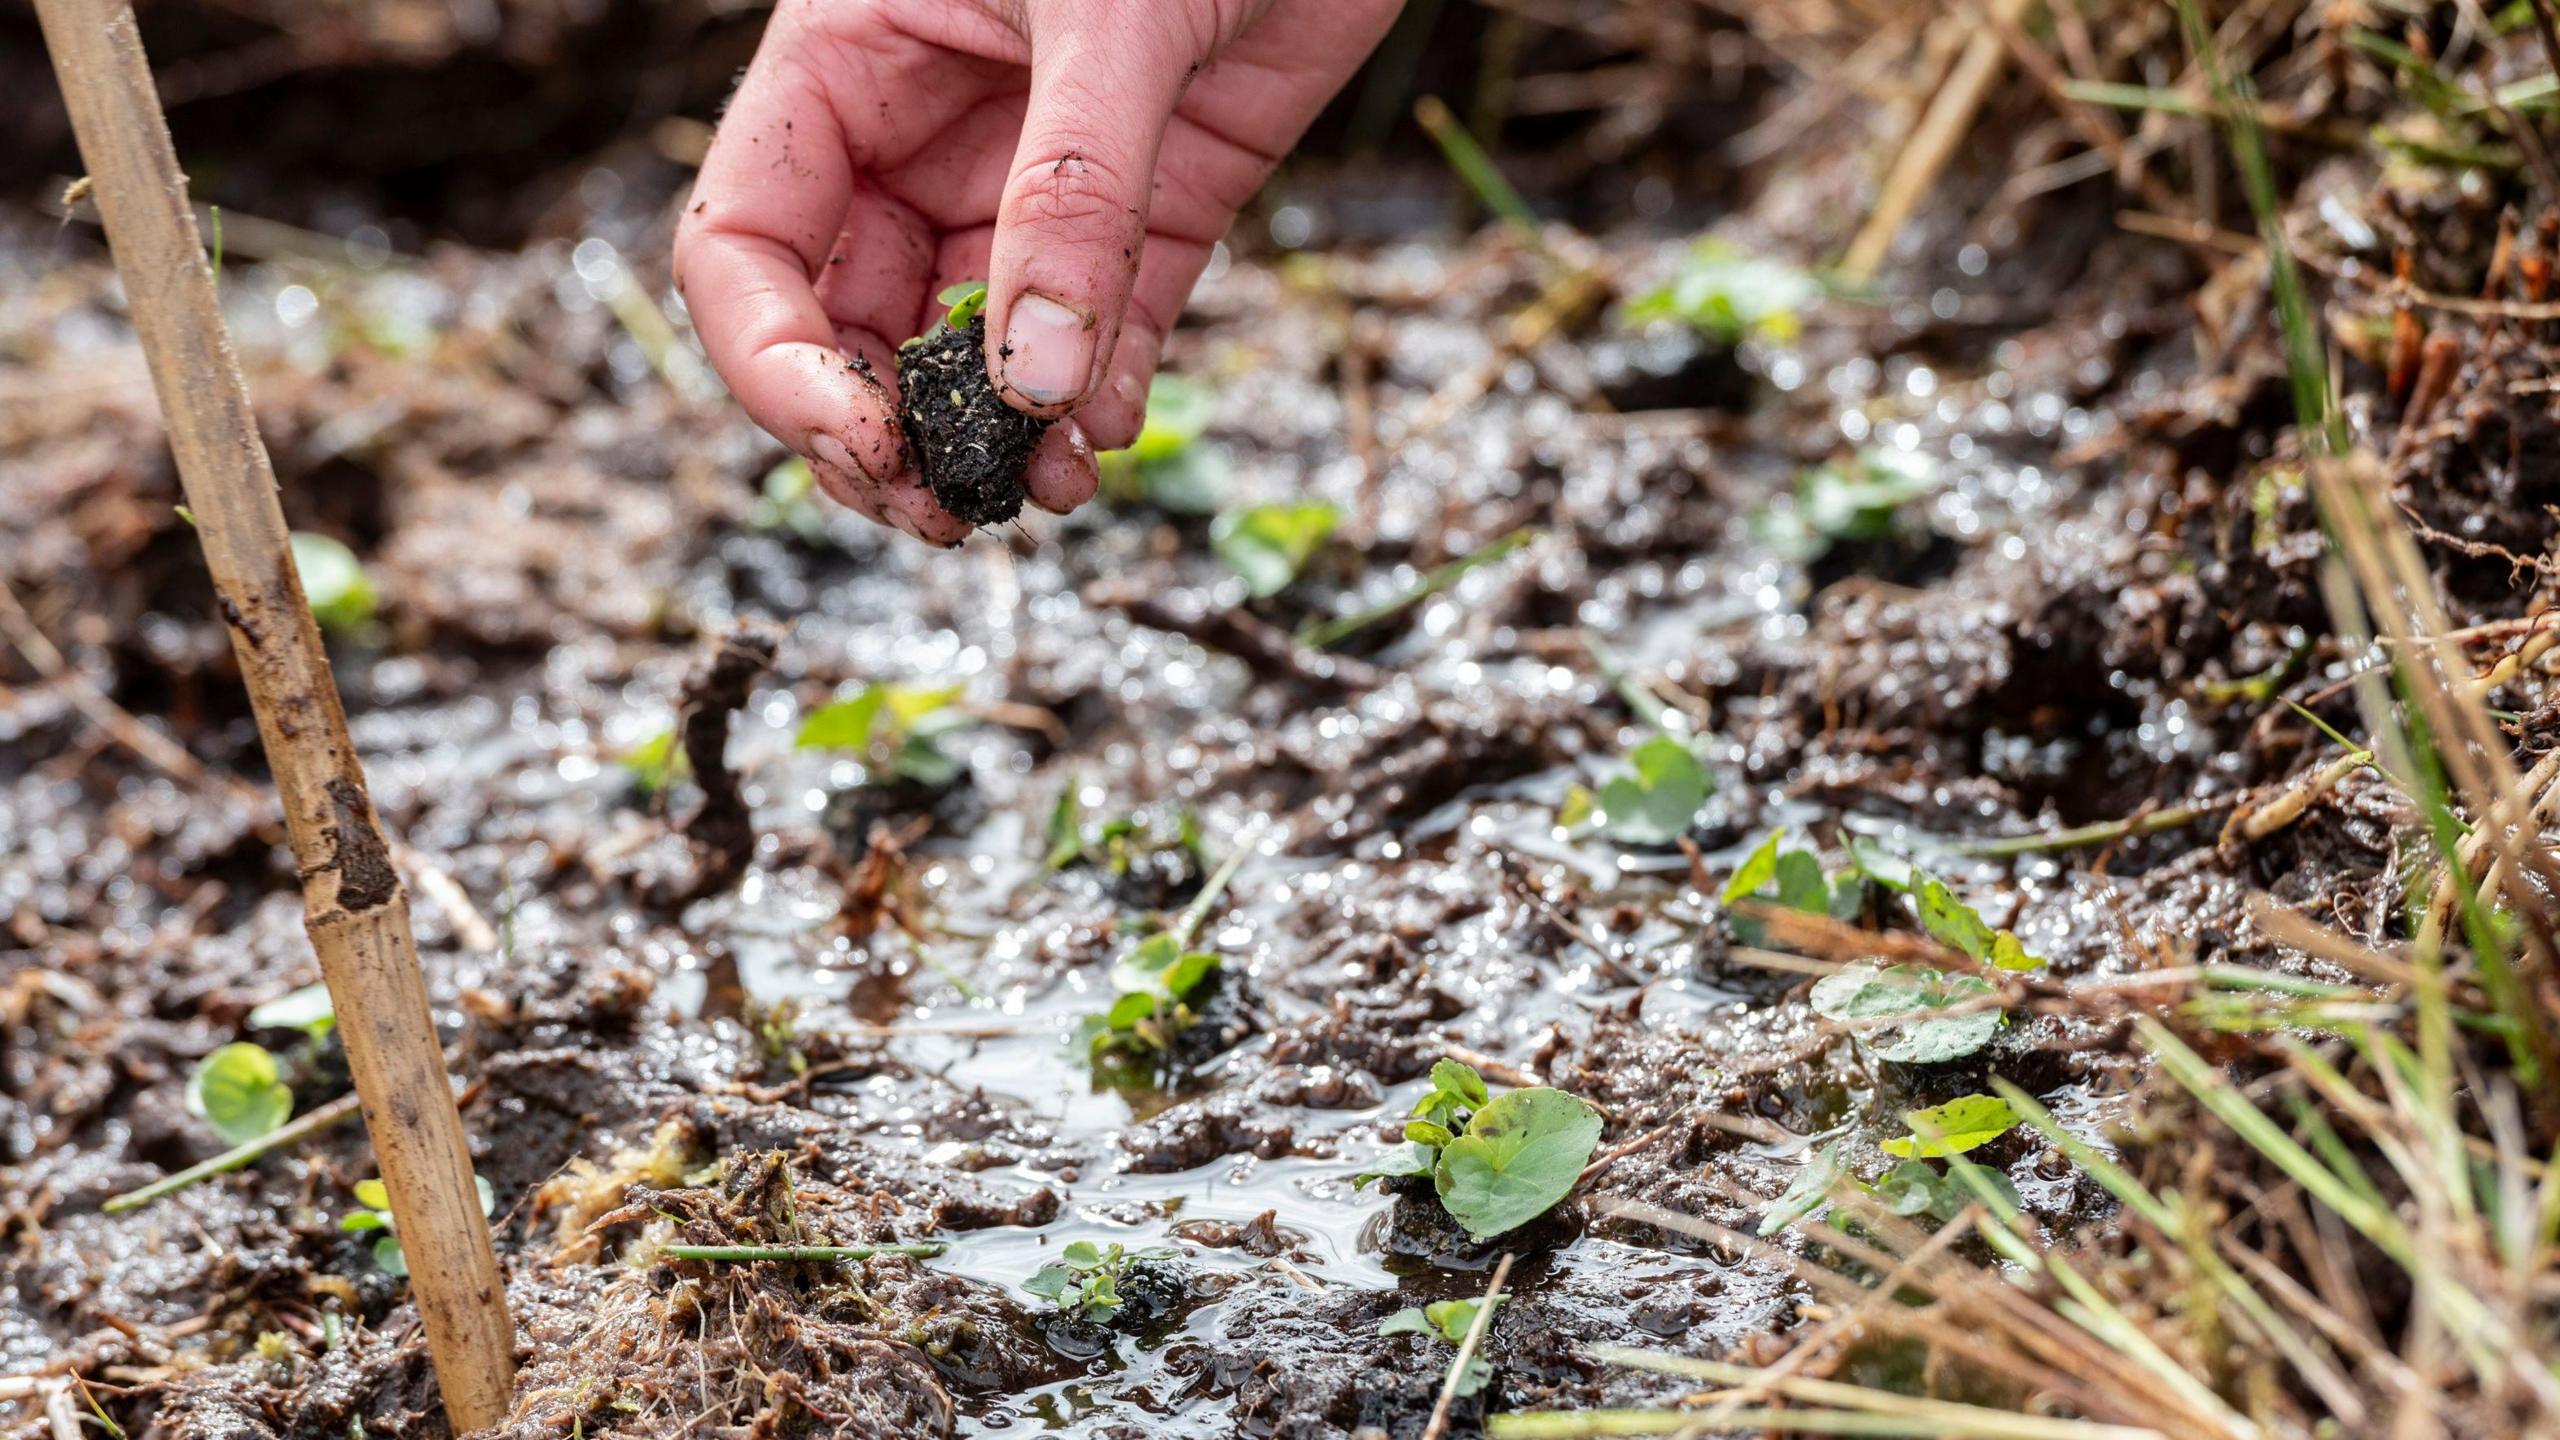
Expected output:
(1048, 354)
(831, 450)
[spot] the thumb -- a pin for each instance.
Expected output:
(1073, 218)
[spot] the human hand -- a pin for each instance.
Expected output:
(1081, 156)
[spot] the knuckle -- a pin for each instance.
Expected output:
(1072, 198)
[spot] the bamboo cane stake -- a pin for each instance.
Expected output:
(354, 905)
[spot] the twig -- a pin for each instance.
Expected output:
(292, 1132)
(1502, 1070)
(1467, 1349)
(2104, 832)
(62, 1418)
(1942, 128)
(469, 925)
(924, 1250)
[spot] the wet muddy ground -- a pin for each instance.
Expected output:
(863, 1032)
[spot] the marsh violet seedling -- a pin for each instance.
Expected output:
(1450, 1320)
(1809, 1191)
(1791, 877)
(897, 729)
(655, 762)
(1966, 1123)
(1156, 983)
(342, 596)
(1268, 545)
(1496, 1162)
(1729, 295)
(1846, 502)
(1169, 465)
(1912, 1189)
(375, 1197)
(308, 1010)
(1915, 1191)
(1915, 997)
(1656, 798)
(240, 1091)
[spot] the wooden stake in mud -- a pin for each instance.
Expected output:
(354, 904)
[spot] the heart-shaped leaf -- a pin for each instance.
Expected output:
(1657, 798)
(1864, 993)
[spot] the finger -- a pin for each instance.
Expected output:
(1062, 474)
(1071, 226)
(745, 257)
(903, 500)
(1118, 409)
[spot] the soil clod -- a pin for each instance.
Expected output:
(970, 445)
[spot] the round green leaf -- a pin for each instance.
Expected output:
(1521, 1154)
(342, 595)
(237, 1089)
(1655, 801)
(1863, 993)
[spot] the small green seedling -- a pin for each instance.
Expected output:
(1084, 1282)
(1946, 919)
(1169, 466)
(1729, 296)
(1952, 922)
(375, 1197)
(1913, 997)
(1657, 797)
(1915, 1191)
(1792, 877)
(1838, 503)
(1155, 984)
(1912, 1189)
(342, 596)
(778, 1027)
(1965, 1123)
(788, 503)
(1810, 1190)
(1116, 844)
(963, 301)
(1450, 1320)
(898, 729)
(308, 1010)
(1496, 1163)
(1268, 545)
(240, 1091)
(656, 762)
